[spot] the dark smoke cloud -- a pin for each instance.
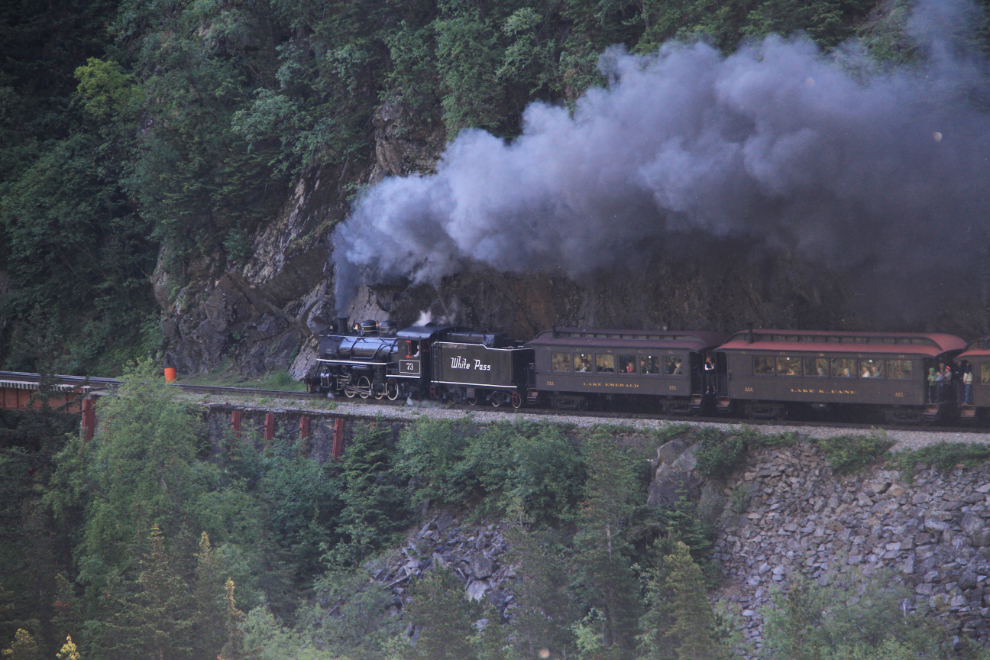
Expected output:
(828, 158)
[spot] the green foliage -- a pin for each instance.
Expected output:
(350, 616)
(533, 464)
(445, 618)
(375, 507)
(543, 592)
(667, 432)
(23, 647)
(431, 449)
(720, 456)
(33, 547)
(853, 618)
(851, 453)
(68, 650)
(106, 91)
(548, 473)
(682, 524)
(679, 623)
(611, 496)
(302, 504)
(941, 456)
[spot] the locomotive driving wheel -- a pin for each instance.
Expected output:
(364, 387)
(350, 391)
(379, 390)
(392, 390)
(516, 400)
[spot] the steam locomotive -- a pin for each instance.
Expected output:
(760, 374)
(450, 363)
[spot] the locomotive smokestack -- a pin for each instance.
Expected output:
(342, 325)
(750, 339)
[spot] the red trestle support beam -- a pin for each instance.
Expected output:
(235, 423)
(303, 434)
(88, 420)
(338, 438)
(269, 426)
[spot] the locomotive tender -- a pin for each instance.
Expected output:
(755, 373)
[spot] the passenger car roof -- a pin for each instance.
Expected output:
(628, 339)
(975, 349)
(823, 341)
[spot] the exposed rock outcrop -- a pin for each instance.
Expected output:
(786, 512)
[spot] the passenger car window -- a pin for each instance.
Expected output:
(605, 363)
(843, 368)
(649, 364)
(672, 366)
(763, 365)
(871, 368)
(900, 369)
(816, 367)
(788, 366)
(560, 361)
(582, 362)
(627, 364)
(985, 373)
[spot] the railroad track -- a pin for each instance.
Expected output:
(94, 383)
(97, 383)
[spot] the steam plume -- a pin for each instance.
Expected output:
(826, 157)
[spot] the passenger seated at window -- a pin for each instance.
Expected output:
(582, 363)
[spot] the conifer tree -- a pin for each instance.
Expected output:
(234, 625)
(208, 623)
(679, 621)
(546, 606)
(23, 648)
(68, 651)
(608, 586)
(162, 611)
(444, 617)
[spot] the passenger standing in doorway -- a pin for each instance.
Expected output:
(932, 380)
(709, 375)
(939, 384)
(968, 384)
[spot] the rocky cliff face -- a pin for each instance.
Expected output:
(785, 512)
(262, 315)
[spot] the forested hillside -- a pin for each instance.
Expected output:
(140, 134)
(160, 539)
